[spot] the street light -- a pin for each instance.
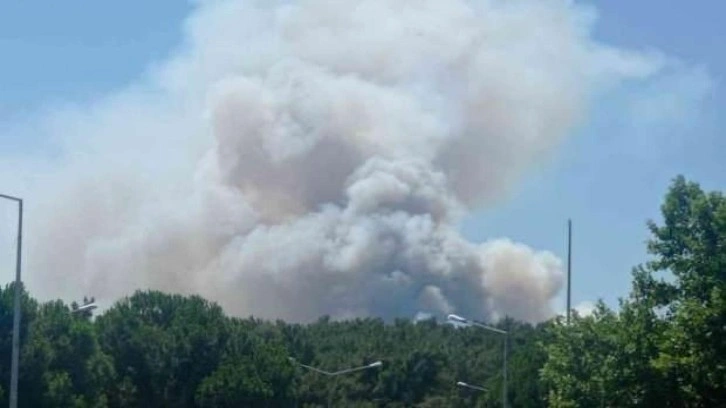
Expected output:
(463, 320)
(375, 364)
(15, 359)
(87, 307)
(335, 373)
(473, 387)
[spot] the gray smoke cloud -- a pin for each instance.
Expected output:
(295, 159)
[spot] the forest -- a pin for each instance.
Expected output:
(663, 346)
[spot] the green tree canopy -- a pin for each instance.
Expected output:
(666, 346)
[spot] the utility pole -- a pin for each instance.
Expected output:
(569, 269)
(15, 359)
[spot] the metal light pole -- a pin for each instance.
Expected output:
(463, 320)
(336, 373)
(16, 312)
(569, 269)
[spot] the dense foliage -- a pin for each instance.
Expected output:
(159, 350)
(665, 345)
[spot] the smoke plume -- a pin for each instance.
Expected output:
(301, 158)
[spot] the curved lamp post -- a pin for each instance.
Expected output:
(334, 373)
(375, 364)
(463, 320)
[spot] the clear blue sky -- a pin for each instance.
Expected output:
(609, 178)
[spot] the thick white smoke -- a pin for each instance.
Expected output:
(300, 158)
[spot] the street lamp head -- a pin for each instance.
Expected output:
(473, 387)
(87, 307)
(457, 318)
(376, 364)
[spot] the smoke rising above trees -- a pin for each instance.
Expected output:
(295, 159)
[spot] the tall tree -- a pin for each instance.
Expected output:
(667, 344)
(62, 362)
(163, 346)
(690, 247)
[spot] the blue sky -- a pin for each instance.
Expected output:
(605, 184)
(609, 177)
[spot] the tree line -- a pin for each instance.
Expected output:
(664, 346)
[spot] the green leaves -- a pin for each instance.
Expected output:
(691, 245)
(158, 350)
(666, 345)
(254, 371)
(164, 345)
